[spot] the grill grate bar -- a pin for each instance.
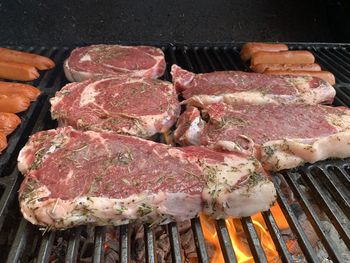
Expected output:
(187, 59)
(345, 177)
(73, 244)
(325, 202)
(18, 245)
(12, 183)
(341, 56)
(331, 67)
(45, 247)
(225, 242)
(334, 55)
(219, 58)
(233, 65)
(314, 219)
(200, 64)
(277, 237)
(210, 60)
(199, 240)
(295, 226)
(124, 243)
(100, 232)
(336, 191)
(253, 240)
(150, 247)
(174, 243)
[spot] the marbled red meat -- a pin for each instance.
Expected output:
(74, 177)
(101, 61)
(234, 87)
(134, 106)
(281, 136)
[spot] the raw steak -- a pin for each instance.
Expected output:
(234, 87)
(75, 177)
(100, 61)
(280, 136)
(134, 106)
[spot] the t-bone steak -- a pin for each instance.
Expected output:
(134, 106)
(100, 61)
(74, 177)
(280, 136)
(234, 87)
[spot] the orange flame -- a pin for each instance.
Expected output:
(238, 239)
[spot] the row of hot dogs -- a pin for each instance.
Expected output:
(276, 59)
(16, 97)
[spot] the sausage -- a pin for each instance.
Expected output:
(325, 75)
(13, 103)
(35, 60)
(7, 88)
(283, 57)
(17, 71)
(248, 49)
(3, 141)
(8, 122)
(260, 68)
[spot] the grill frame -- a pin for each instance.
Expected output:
(196, 58)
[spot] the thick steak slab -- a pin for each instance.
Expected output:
(134, 106)
(74, 177)
(101, 61)
(234, 87)
(281, 136)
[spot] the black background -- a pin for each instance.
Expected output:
(182, 21)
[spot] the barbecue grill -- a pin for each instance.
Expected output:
(327, 182)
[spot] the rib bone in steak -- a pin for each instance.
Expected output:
(134, 106)
(100, 61)
(282, 136)
(75, 177)
(234, 87)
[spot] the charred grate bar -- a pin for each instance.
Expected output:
(324, 185)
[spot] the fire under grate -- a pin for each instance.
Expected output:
(314, 199)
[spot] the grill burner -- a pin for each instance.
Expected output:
(327, 182)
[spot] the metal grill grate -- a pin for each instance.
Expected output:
(328, 181)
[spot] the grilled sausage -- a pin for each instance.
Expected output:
(13, 103)
(17, 71)
(325, 75)
(3, 141)
(248, 49)
(283, 57)
(260, 68)
(35, 60)
(8, 122)
(7, 88)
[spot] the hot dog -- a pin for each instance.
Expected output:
(248, 49)
(8, 122)
(7, 88)
(13, 103)
(3, 142)
(17, 71)
(260, 68)
(325, 75)
(283, 57)
(35, 60)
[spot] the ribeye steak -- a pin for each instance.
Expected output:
(74, 177)
(134, 106)
(100, 61)
(234, 87)
(280, 136)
